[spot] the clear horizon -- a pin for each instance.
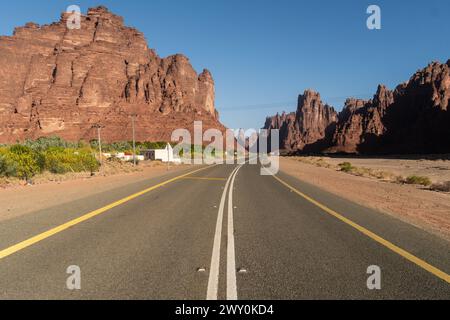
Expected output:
(264, 54)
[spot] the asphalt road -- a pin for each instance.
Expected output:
(224, 232)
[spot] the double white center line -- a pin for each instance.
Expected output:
(213, 282)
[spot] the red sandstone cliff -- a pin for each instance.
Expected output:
(414, 118)
(309, 127)
(56, 81)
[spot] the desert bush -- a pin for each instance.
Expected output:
(45, 143)
(399, 179)
(346, 167)
(7, 168)
(88, 160)
(23, 161)
(62, 160)
(368, 172)
(53, 154)
(323, 163)
(113, 159)
(123, 146)
(59, 160)
(384, 175)
(443, 186)
(424, 181)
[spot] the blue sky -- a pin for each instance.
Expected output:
(264, 53)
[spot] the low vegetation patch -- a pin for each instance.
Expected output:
(60, 160)
(346, 167)
(318, 162)
(54, 158)
(386, 176)
(54, 155)
(424, 181)
(20, 161)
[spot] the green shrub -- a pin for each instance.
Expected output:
(346, 167)
(88, 161)
(7, 167)
(52, 154)
(61, 160)
(122, 146)
(45, 143)
(25, 161)
(424, 181)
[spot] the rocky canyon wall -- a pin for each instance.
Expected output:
(57, 81)
(412, 119)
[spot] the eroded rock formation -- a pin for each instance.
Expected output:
(307, 128)
(360, 121)
(57, 81)
(414, 118)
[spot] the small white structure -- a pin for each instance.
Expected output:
(164, 155)
(129, 157)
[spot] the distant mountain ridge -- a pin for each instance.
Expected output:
(56, 81)
(412, 119)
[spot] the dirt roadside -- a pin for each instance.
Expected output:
(51, 193)
(425, 209)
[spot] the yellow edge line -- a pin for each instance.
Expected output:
(405, 254)
(201, 178)
(29, 242)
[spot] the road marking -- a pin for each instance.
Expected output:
(42, 236)
(213, 281)
(231, 254)
(405, 254)
(201, 178)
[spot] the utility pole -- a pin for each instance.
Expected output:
(168, 157)
(99, 139)
(133, 118)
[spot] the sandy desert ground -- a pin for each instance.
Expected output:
(414, 204)
(47, 193)
(438, 169)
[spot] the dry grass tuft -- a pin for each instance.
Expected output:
(420, 180)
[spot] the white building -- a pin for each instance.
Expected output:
(164, 155)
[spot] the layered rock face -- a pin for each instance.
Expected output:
(414, 118)
(361, 122)
(419, 118)
(58, 81)
(307, 128)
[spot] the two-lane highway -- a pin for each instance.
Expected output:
(220, 232)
